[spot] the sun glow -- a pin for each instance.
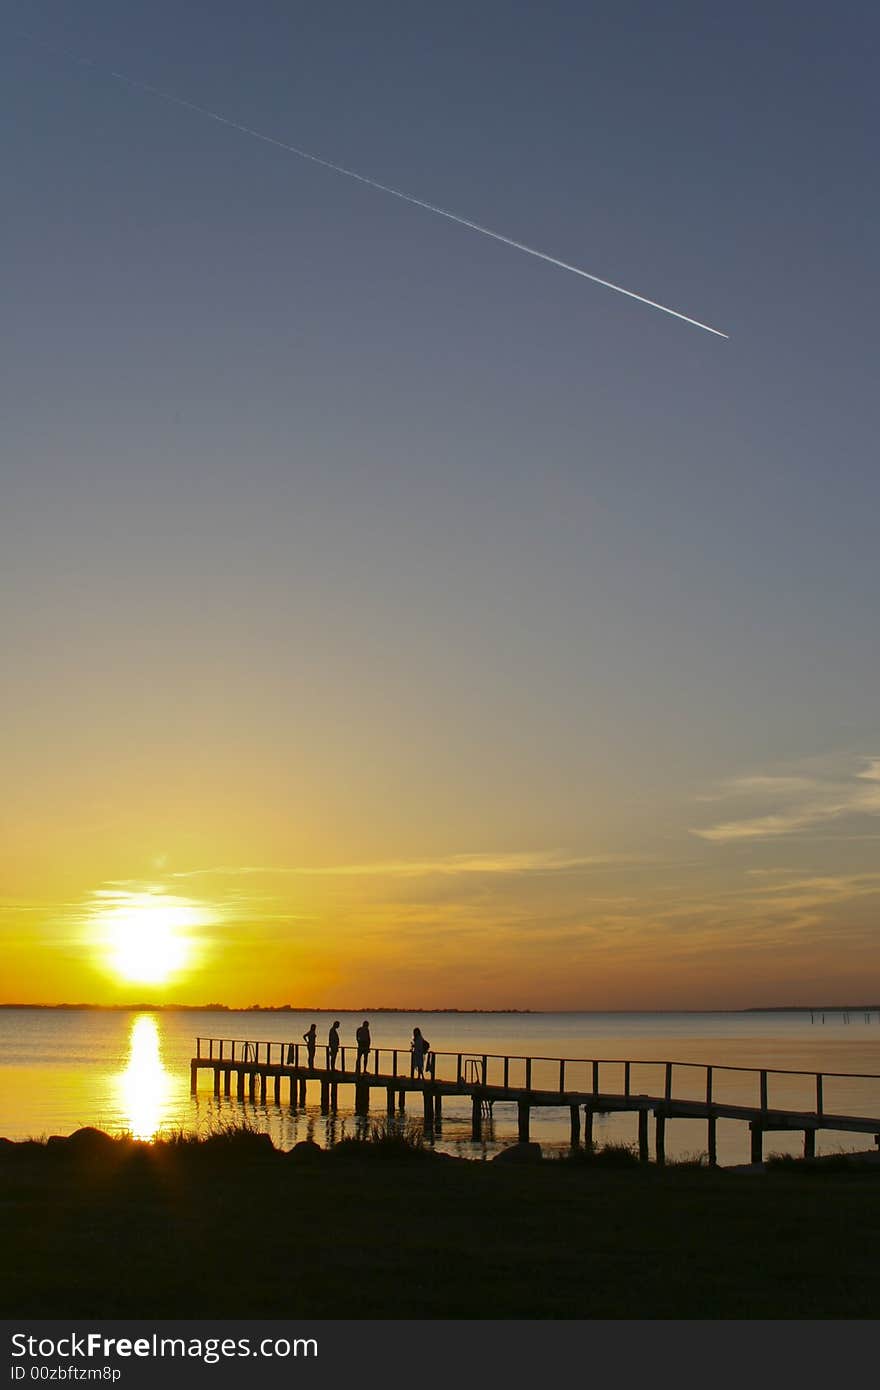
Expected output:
(147, 937)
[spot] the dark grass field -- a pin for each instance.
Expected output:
(234, 1228)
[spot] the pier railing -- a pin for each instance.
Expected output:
(674, 1080)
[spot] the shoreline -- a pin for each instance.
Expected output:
(146, 1007)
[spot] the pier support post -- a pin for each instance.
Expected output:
(389, 1100)
(428, 1110)
(361, 1098)
(302, 1091)
(325, 1096)
(293, 1093)
(644, 1156)
(757, 1142)
(438, 1107)
(588, 1128)
(227, 1081)
(660, 1137)
(476, 1118)
(523, 1110)
(334, 1095)
(713, 1141)
(401, 1100)
(193, 1078)
(264, 1082)
(809, 1143)
(239, 1089)
(252, 1086)
(216, 1081)
(277, 1088)
(575, 1113)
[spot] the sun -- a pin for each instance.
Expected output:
(146, 936)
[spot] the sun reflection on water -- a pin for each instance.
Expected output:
(145, 1086)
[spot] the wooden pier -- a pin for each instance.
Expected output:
(582, 1085)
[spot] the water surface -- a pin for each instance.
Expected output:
(129, 1072)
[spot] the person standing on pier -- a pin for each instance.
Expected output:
(363, 1042)
(311, 1041)
(333, 1045)
(419, 1047)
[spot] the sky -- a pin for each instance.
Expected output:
(389, 617)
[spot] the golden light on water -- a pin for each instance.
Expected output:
(147, 937)
(145, 1085)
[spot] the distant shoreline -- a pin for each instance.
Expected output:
(147, 1007)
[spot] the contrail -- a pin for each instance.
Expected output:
(395, 192)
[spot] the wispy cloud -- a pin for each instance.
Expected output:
(801, 802)
(515, 863)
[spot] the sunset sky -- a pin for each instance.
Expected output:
(389, 617)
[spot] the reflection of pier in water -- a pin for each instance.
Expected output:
(688, 1090)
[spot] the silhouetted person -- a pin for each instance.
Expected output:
(419, 1046)
(311, 1041)
(333, 1045)
(363, 1042)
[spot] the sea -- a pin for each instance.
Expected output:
(128, 1072)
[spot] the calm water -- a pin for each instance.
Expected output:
(60, 1069)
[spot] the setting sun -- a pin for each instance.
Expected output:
(147, 935)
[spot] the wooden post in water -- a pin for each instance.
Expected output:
(713, 1141)
(476, 1118)
(325, 1095)
(644, 1156)
(277, 1088)
(401, 1100)
(227, 1081)
(264, 1081)
(660, 1137)
(428, 1110)
(389, 1100)
(334, 1095)
(361, 1098)
(438, 1107)
(523, 1110)
(575, 1113)
(809, 1143)
(239, 1087)
(302, 1090)
(588, 1128)
(216, 1081)
(193, 1077)
(757, 1142)
(252, 1086)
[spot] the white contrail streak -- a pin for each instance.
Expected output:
(396, 193)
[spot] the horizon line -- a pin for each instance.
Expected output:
(146, 1007)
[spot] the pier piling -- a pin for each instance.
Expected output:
(523, 1111)
(575, 1113)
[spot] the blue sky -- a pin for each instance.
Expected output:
(398, 544)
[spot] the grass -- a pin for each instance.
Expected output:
(606, 1156)
(223, 1225)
